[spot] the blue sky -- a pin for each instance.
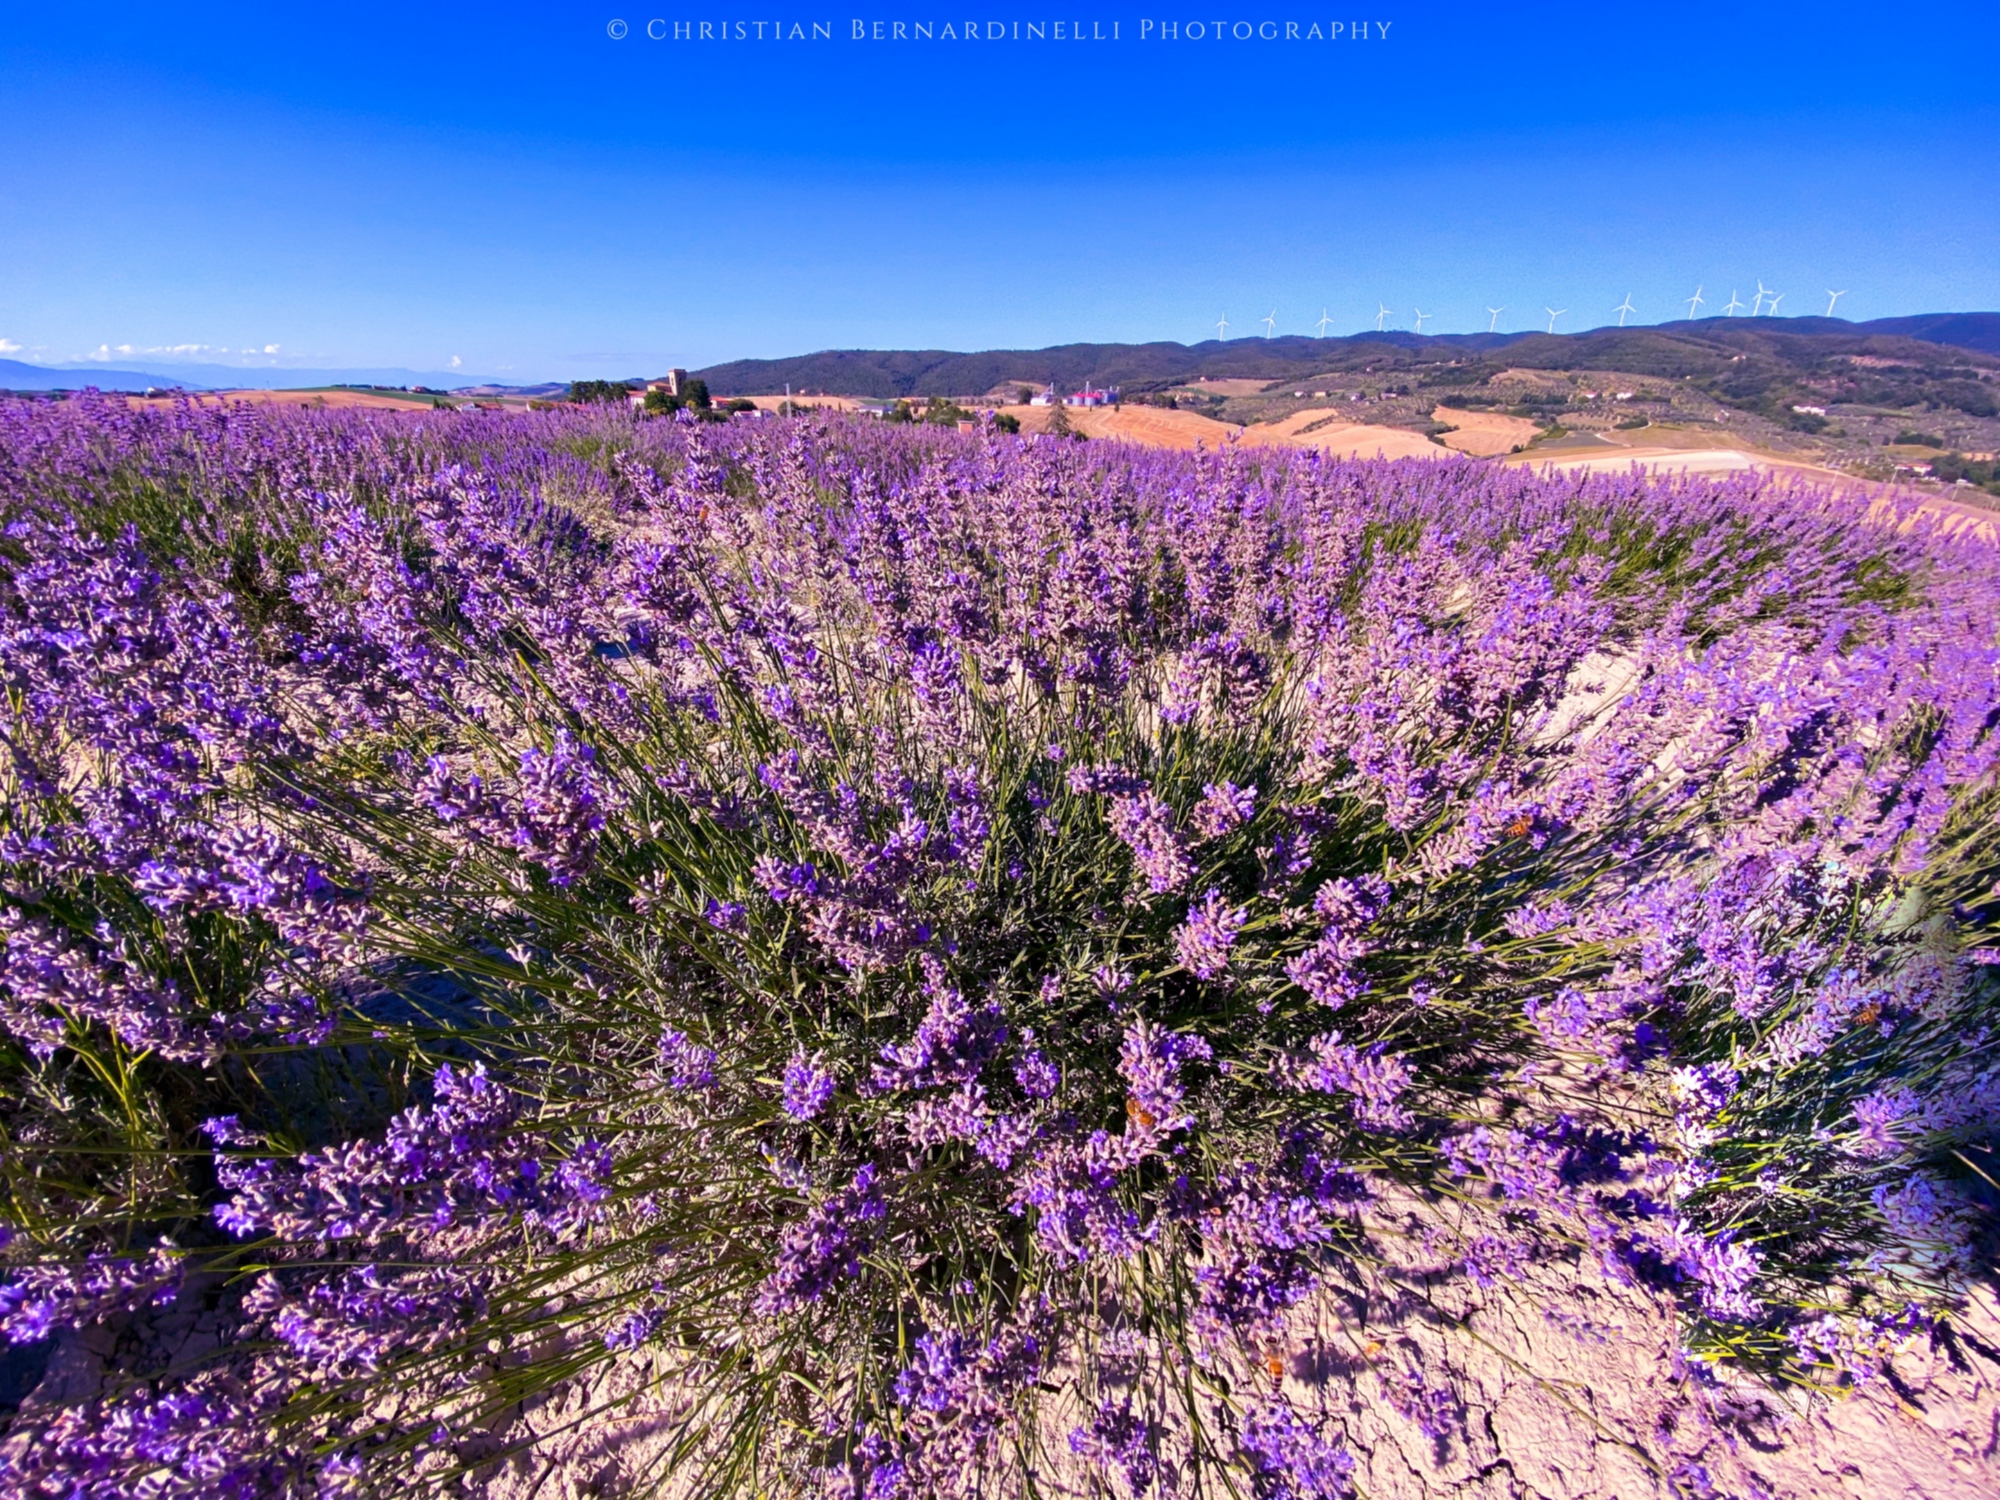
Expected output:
(510, 186)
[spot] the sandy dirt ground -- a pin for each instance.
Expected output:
(1154, 426)
(1342, 437)
(1160, 427)
(1565, 1389)
(1484, 434)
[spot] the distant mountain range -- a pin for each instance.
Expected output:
(76, 374)
(1708, 347)
(15, 376)
(1778, 352)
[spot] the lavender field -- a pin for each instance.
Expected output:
(934, 964)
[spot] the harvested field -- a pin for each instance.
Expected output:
(1341, 437)
(331, 399)
(1228, 387)
(1152, 426)
(1160, 427)
(1484, 434)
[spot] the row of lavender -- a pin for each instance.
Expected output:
(940, 948)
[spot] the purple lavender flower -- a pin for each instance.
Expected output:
(1151, 1061)
(1037, 1076)
(213, 1435)
(1223, 806)
(634, 1329)
(1117, 1439)
(808, 1086)
(1490, 1260)
(1327, 972)
(561, 809)
(1291, 1460)
(1202, 943)
(1073, 1187)
(1330, 971)
(1262, 1230)
(1376, 1079)
(1877, 1116)
(1145, 824)
(934, 1378)
(1352, 905)
(1921, 1208)
(786, 882)
(952, 1044)
(1722, 1269)
(40, 1300)
(1700, 1095)
(824, 1247)
(1110, 980)
(686, 1065)
(1858, 1353)
(464, 1162)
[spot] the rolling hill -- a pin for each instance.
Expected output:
(1777, 351)
(75, 375)
(15, 376)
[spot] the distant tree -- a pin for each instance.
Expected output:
(900, 412)
(696, 394)
(945, 412)
(1024, 395)
(739, 403)
(1952, 467)
(1908, 438)
(661, 402)
(1969, 397)
(1059, 425)
(596, 392)
(1006, 421)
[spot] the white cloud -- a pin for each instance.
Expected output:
(456, 361)
(8, 346)
(270, 348)
(102, 351)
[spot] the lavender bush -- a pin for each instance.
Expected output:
(936, 948)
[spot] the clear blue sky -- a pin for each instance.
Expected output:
(511, 186)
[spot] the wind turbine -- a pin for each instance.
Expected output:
(1695, 301)
(1772, 310)
(1758, 306)
(1493, 322)
(1222, 327)
(1734, 307)
(1554, 313)
(1623, 308)
(1379, 316)
(1831, 298)
(1421, 315)
(1323, 321)
(1269, 323)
